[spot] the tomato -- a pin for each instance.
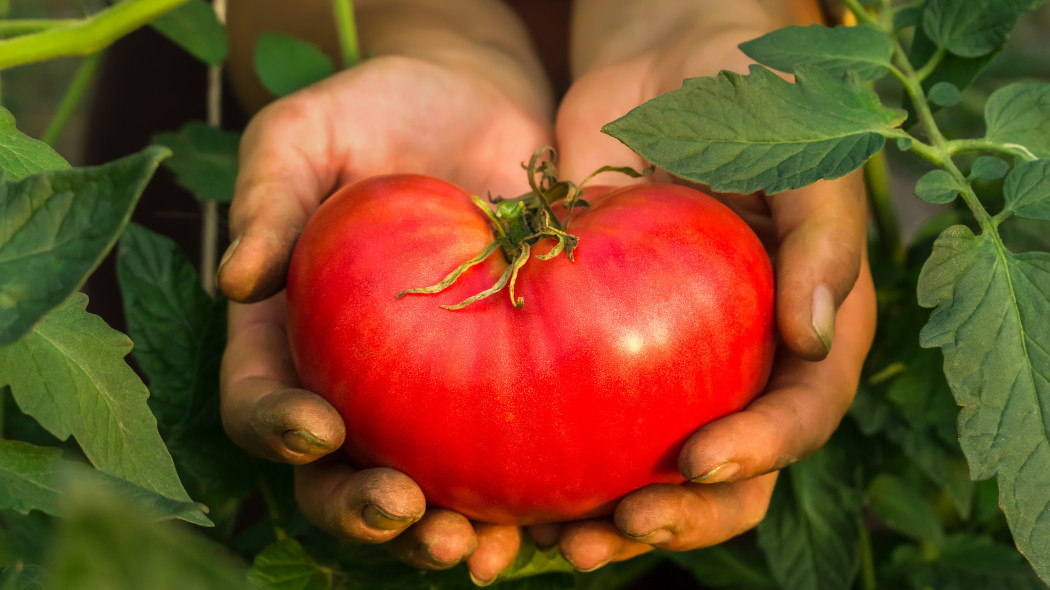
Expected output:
(662, 322)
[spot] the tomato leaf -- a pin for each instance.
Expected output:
(195, 27)
(286, 64)
(902, 507)
(989, 168)
(723, 566)
(972, 28)
(106, 543)
(285, 565)
(179, 334)
(1020, 114)
(1027, 190)
(69, 374)
(21, 155)
(759, 132)
(56, 229)
(937, 187)
(966, 561)
(531, 561)
(989, 319)
(944, 94)
(204, 160)
(811, 533)
(862, 49)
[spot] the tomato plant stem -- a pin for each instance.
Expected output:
(858, 11)
(72, 97)
(347, 26)
(210, 217)
(1011, 150)
(83, 36)
(25, 26)
(876, 177)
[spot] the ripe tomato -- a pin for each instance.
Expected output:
(661, 323)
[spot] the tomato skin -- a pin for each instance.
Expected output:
(662, 323)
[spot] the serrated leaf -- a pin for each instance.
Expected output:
(204, 160)
(811, 531)
(105, 544)
(1027, 190)
(759, 132)
(21, 155)
(944, 94)
(989, 168)
(989, 319)
(195, 27)
(285, 64)
(167, 312)
(285, 565)
(972, 28)
(942, 465)
(1020, 114)
(56, 228)
(902, 507)
(967, 562)
(862, 49)
(69, 373)
(937, 187)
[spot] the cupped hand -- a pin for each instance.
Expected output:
(390, 114)
(825, 317)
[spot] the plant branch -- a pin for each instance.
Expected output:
(26, 26)
(858, 11)
(956, 146)
(74, 93)
(876, 177)
(931, 64)
(210, 216)
(84, 36)
(347, 27)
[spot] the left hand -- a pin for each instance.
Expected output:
(825, 295)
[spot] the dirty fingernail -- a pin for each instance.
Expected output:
(304, 442)
(480, 581)
(655, 537)
(719, 474)
(823, 315)
(380, 519)
(229, 253)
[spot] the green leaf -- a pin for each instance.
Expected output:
(942, 465)
(989, 168)
(204, 160)
(56, 228)
(903, 508)
(69, 374)
(21, 155)
(811, 533)
(967, 562)
(285, 565)
(286, 64)
(972, 28)
(1027, 190)
(990, 322)
(195, 27)
(759, 132)
(944, 94)
(532, 561)
(38, 478)
(938, 187)
(862, 49)
(167, 312)
(1019, 114)
(106, 544)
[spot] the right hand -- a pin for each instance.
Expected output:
(389, 114)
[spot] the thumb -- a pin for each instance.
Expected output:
(285, 172)
(821, 232)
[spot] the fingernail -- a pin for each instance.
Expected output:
(229, 253)
(380, 519)
(591, 569)
(436, 561)
(823, 315)
(480, 582)
(304, 442)
(656, 537)
(719, 474)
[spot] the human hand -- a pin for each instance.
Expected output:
(390, 114)
(825, 296)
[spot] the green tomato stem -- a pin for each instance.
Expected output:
(74, 93)
(931, 64)
(84, 36)
(25, 26)
(858, 11)
(1012, 150)
(880, 197)
(346, 24)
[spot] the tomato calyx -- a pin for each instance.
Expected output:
(519, 222)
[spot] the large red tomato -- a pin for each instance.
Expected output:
(661, 323)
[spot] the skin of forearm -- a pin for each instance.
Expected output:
(483, 37)
(705, 31)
